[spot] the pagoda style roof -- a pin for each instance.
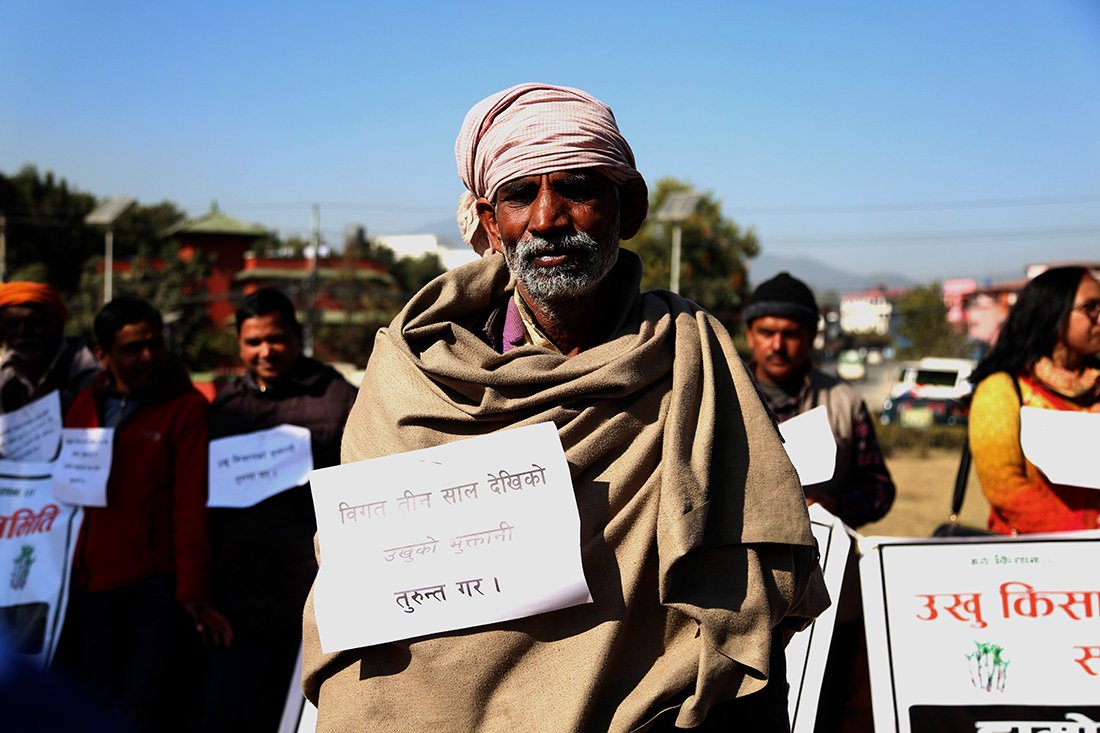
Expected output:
(216, 221)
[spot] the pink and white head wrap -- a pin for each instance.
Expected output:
(532, 129)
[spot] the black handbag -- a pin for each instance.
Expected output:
(952, 528)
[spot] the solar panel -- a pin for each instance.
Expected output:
(111, 209)
(677, 206)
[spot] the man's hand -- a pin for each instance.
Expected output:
(210, 623)
(827, 502)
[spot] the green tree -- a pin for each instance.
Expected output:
(714, 253)
(45, 224)
(923, 328)
(413, 273)
(47, 239)
(170, 285)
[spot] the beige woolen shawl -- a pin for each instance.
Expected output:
(695, 538)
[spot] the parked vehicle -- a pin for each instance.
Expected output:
(931, 390)
(850, 366)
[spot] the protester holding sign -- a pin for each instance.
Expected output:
(782, 322)
(146, 553)
(1045, 357)
(40, 359)
(782, 318)
(263, 552)
(694, 535)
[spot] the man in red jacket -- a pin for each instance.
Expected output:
(147, 553)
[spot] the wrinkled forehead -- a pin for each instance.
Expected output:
(590, 177)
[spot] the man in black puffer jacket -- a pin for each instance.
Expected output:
(263, 554)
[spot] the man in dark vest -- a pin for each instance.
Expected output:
(263, 554)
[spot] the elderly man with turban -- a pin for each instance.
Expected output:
(40, 358)
(695, 540)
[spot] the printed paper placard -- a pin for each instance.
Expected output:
(459, 535)
(37, 537)
(82, 468)
(33, 432)
(1061, 444)
(984, 634)
(246, 469)
(810, 445)
(809, 649)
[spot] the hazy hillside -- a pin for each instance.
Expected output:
(820, 276)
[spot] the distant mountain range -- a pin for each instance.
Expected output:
(820, 277)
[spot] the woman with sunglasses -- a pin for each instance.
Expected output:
(1045, 356)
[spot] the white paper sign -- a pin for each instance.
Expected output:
(246, 469)
(81, 471)
(809, 649)
(810, 445)
(37, 538)
(459, 535)
(1062, 444)
(984, 634)
(33, 432)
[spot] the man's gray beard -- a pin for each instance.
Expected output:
(561, 288)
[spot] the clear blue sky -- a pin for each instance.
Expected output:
(938, 139)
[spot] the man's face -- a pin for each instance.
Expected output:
(780, 347)
(137, 358)
(31, 331)
(559, 232)
(270, 347)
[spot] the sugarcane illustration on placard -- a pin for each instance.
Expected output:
(988, 670)
(22, 570)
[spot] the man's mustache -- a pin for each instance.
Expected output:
(554, 245)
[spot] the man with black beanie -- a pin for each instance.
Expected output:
(782, 320)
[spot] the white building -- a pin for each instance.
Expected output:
(867, 312)
(450, 254)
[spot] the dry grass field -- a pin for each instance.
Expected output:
(923, 502)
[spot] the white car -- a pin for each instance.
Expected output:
(931, 390)
(850, 366)
(934, 378)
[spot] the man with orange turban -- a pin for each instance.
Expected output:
(40, 358)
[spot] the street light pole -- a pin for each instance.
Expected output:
(3, 250)
(674, 281)
(108, 263)
(107, 214)
(676, 208)
(311, 312)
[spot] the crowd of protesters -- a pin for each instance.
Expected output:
(695, 538)
(180, 617)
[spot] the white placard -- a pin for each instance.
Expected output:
(809, 649)
(1062, 444)
(983, 634)
(810, 445)
(37, 539)
(246, 469)
(465, 534)
(81, 470)
(33, 432)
